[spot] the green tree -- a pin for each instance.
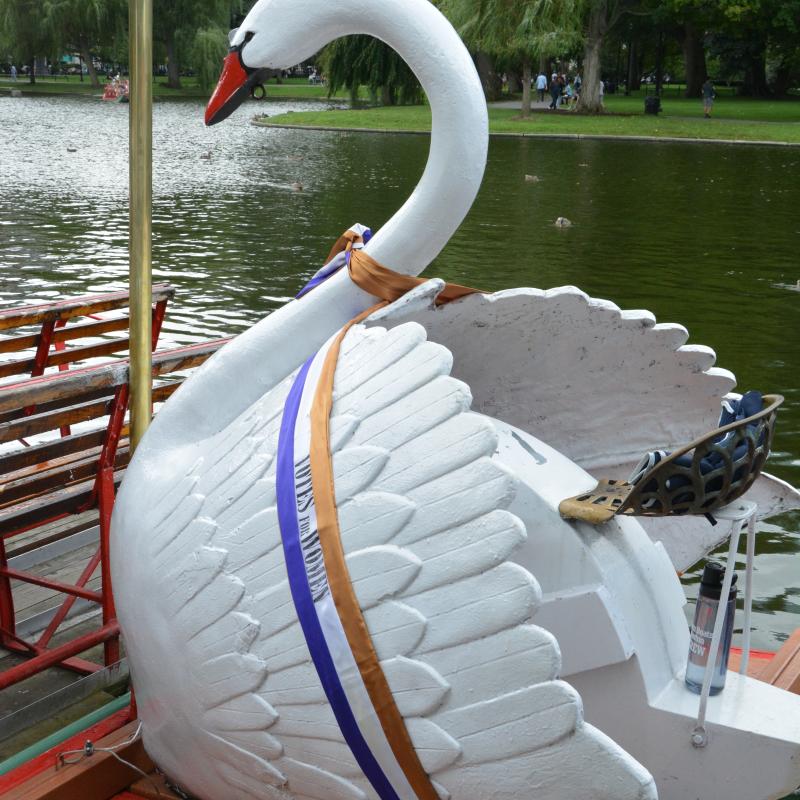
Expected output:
(599, 19)
(27, 34)
(518, 32)
(189, 30)
(209, 48)
(755, 32)
(83, 25)
(355, 61)
(748, 40)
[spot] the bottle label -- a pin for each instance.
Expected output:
(702, 631)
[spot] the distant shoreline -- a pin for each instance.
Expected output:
(532, 135)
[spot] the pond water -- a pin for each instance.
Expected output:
(703, 235)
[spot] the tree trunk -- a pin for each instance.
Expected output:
(526, 87)
(514, 82)
(783, 79)
(694, 57)
(388, 97)
(660, 64)
(492, 83)
(173, 68)
(32, 73)
(544, 65)
(755, 74)
(86, 56)
(633, 80)
(590, 101)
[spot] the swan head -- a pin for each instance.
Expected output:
(276, 34)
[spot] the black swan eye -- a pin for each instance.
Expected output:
(248, 36)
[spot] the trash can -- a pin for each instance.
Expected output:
(652, 104)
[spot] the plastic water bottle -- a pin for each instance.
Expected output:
(702, 630)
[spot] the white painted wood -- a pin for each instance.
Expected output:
(599, 385)
(641, 701)
(437, 589)
(582, 615)
(286, 32)
(449, 518)
(421, 298)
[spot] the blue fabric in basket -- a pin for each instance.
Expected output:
(734, 409)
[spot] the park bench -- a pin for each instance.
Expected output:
(63, 450)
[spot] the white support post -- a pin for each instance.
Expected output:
(738, 514)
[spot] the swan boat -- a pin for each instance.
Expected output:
(357, 582)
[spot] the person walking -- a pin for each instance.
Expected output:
(555, 91)
(708, 97)
(541, 86)
(576, 84)
(13, 73)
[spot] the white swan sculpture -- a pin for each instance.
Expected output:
(446, 516)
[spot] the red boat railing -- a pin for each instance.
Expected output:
(73, 426)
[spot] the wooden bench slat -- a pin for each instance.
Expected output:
(50, 451)
(43, 541)
(81, 330)
(57, 404)
(26, 427)
(783, 670)
(34, 391)
(42, 423)
(33, 469)
(75, 307)
(72, 354)
(42, 509)
(45, 480)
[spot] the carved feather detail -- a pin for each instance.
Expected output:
(428, 546)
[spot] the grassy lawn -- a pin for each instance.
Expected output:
(734, 118)
(289, 89)
(725, 107)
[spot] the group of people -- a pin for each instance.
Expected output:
(563, 90)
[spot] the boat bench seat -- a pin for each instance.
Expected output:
(70, 331)
(783, 670)
(698, 478)
(64, 449)
(76, 425)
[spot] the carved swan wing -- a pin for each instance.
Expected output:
(601, 385)
(229, 698)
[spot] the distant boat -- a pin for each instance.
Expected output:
(116, 91)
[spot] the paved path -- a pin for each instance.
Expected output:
(535, 104)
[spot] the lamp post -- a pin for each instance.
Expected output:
(141, 183)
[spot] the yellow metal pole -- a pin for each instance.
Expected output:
(141, 183)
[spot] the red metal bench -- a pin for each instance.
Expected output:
(75, 450)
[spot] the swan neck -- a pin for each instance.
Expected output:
(422, 36)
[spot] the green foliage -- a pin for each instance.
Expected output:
(210, 47)
(25, 33)
(509, 29)
(363, 61)
(182, 27)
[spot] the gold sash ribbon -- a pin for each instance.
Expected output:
(383, 282)
(388, 285)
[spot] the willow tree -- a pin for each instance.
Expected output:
(355, 61)
(516, 31)
(83, 24)
(25, 34)
(191, 30)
